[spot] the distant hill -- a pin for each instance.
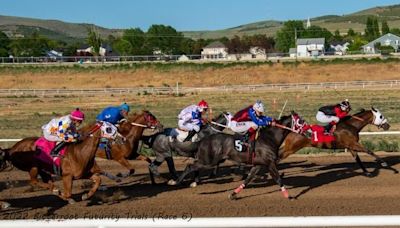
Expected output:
(55, 29)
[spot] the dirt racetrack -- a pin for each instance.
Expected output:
(322, 185)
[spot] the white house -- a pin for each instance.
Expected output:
(310, 47)
(215, 50)
(385, 40)
(292, 52)
(339, 48)
(86, 50)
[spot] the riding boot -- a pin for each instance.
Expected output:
(56, 150)
(190, 135)
(328, 128)
(153, 167)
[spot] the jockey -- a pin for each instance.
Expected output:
(249, 119)
(331, 114)
(189, 119)
(114, 114)
(63, 130)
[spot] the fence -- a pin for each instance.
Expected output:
(226, 88)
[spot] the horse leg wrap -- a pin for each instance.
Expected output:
(285, 192)
(239, 189)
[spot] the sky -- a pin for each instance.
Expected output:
(183, 15)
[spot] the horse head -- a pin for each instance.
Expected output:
(145, 120)
(379, 120)
(364, 117)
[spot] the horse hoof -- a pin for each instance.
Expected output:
(102, 188)
(368, 174)
(193, 185)
(232, 196)
(71, 201)
(85, 197)
(56, 191)
(384, 164)
(119, 175)
(5, 205)
(171, 182)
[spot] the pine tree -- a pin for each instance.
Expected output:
(385, 27)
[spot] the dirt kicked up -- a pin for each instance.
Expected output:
(321, 185)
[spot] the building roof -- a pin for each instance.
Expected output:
(215, 44)
(310, 41)
(388, 36)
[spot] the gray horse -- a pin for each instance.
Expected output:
(163, 147)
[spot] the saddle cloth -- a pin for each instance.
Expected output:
(45, 148)
(318, 135)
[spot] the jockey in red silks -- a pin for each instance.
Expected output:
(63, 130)
(249, 120)
(331, 114)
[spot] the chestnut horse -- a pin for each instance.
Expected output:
(132, 129)
(346, 134)
(78, 162)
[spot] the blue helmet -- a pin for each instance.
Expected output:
(125, 107)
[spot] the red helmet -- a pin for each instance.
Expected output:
(203, 104)
(77, 115)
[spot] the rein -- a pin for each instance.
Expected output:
(142, 125)
(284, 127)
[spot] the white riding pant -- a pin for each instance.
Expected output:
(321, 117)
(241, 127)
(188, 126)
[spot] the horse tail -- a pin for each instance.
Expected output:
(4, 158)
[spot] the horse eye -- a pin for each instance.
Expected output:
(381, 116)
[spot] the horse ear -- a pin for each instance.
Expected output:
(373, 109)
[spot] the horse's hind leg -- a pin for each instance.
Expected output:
(249, 178)
(34, 182)
(96, 183)
(359, 162)
(189, 168)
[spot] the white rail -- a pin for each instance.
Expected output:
(384, 84)
(361, 133)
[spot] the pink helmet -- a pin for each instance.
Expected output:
(203, 104)
(77, 115)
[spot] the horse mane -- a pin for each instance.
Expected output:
(349, 117)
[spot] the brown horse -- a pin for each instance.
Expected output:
(346, 134)
(132, 130)
(77, 163)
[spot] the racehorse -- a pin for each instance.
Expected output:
(163, 147)
(131, 129)
(78, 162)
(217, 148)
(346, 134)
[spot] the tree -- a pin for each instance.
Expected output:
(164, 38)
(136, 38)
(395, 31)
(4, 42)
(285, 37)
(376, 28)
(385, 27)
(357, 43)
(372, 29)
(94, 41)
(122, 46)
(351, 32)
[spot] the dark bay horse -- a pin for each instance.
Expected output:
(78, 162)
(132, 129)
(163, 147)
(346, 134)
(217, 148)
